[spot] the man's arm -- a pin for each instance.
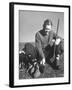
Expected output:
(56, 39)
(39, 46)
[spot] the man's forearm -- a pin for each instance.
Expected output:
(39, 48)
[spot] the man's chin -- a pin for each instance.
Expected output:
(47, 31)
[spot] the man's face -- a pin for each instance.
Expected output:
(48, 28)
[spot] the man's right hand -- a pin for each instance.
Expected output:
(43, 61)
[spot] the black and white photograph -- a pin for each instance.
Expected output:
(41, 44)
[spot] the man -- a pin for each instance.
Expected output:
(45, 38)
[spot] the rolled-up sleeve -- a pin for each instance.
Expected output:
(38, 45)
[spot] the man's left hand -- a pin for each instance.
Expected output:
(57, 41)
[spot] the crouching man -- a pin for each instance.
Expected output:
(45, 38)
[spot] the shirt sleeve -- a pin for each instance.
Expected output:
(38, 45)
(52, 36)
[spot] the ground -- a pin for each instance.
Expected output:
(49, 72)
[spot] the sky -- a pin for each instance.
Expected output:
(31, 22)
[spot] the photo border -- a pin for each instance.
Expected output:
(11, 42)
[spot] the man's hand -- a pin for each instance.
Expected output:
(57, 41)
(43, 61)
(52, 42)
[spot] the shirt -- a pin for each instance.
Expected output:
(42, 40)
